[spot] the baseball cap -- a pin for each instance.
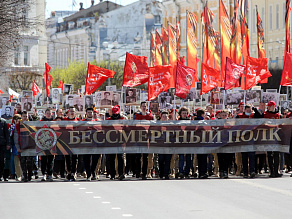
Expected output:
(116, 109)
(271, 103)
(240, 104)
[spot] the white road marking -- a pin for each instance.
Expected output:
(96, 197)
(88, 192)
(116, 208)
(82, 188)
(127, 215)
(105, 202)
(252, 183)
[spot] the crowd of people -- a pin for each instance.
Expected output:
(14, 166)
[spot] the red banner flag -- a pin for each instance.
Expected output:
(1, 92)
(226, 34)
(210, 78)
(158, 46)
(61, 85)
(192, 41)
(287, 28)
(236, 40)
(48, 79)
(172, 34)
(185, 77)
(164, 46)
(95, 77)
(136, 70)
(35, 89)
(256, 71)
(158, 80)
(233, 73)
(287, 71)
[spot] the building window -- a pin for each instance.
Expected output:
(271, 17)
(16, 56)
(26, 55)
(157, 19)
(277, 17)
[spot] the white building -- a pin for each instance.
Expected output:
(104, 29)
(31, 52)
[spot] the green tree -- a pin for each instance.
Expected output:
(76, 72)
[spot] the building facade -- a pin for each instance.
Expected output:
(30, 52)
(105, 31)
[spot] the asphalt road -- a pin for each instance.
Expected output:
(235, 197)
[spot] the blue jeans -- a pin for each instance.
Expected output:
(181, 163)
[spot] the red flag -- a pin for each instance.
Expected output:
(165, 46)
(172, 49)
(158, 48)
(95, 77)
(185, 76)
(35, 89)
(192, 41)
(152, 50)
(1, 92)
(287, 71)
(233, 73)
(210, 78)
(256, 71)
(158, 80)
(135, 70)
(48, 79)
(61, 85)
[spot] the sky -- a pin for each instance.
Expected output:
(66, 5)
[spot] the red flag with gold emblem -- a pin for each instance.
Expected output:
(158, 80)
(158, 46)
(35, 89)
(164, 46)
(172, 34)
(287, 71)
(95, 77)
(233, 73)
(136, 70)
(210, 78)
(185, 76)
(192, 41)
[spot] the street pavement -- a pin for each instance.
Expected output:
(235, 197)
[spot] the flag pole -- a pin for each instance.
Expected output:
(220, 43)
(187, 37)
(173, 108)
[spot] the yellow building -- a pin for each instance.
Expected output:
(272, 13)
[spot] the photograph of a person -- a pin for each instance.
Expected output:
(106, 98)
(131, 95)
(191, 96)
(41, 112)
(268, 96)
(69, 101)
(215, 97)
(116, 98)
(7, 112)
(27, 93)
(111, 88)
(88, 101)
(56, 95)
(154, 107)
(165, 99)
(39, 99)
(253, 96)
(144, 97)
(234, 98)
(97, 99)
(138, 95)
(4, 100)
(78, 103)
(283, 97)
(284, 105)
(26, 104)
(68, 89)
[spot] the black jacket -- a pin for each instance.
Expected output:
(4, 134)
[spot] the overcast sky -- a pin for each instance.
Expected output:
(66, 5)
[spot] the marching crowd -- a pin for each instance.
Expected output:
(14, 166)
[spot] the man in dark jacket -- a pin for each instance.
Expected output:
(4, 144)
